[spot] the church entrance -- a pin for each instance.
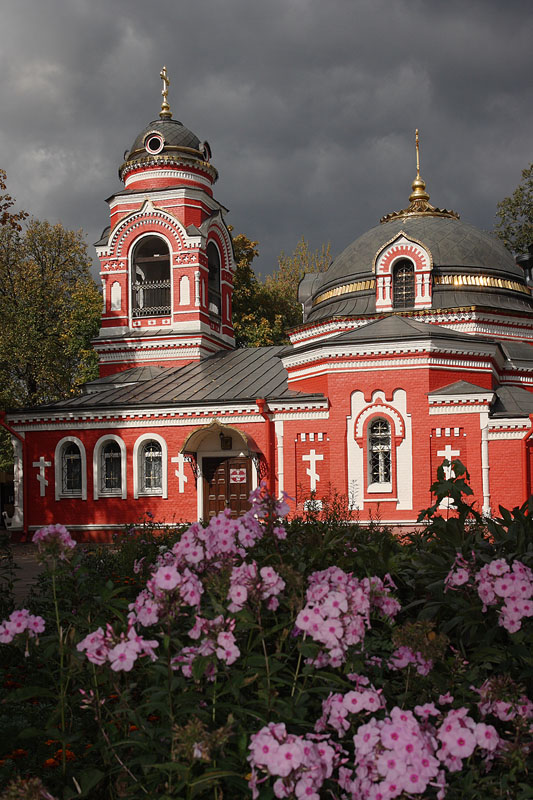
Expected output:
(226, 484)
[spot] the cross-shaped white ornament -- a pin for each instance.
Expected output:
(313, 457)
(41, 477)
(180, 472)
(448, 453)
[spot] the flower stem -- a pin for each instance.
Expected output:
(61, 671)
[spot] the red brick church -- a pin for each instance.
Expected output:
(415, 346)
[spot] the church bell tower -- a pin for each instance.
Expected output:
(166, 258)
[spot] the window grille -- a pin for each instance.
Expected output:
(403, 284)
(150, 280)
(151, 467)
(380, 451)
(110, 467)
(71, 469)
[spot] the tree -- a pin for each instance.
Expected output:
(263, 311)
(7, 217)
(50, 309)
(514, 224)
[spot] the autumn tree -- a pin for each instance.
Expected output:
(263, 310)
(514, 224)
(50, 309)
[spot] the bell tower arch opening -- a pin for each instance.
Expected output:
(213, 280)
(150, 278)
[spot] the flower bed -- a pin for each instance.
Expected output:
(263, 659)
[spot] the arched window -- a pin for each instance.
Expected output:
(403, 284)
(151, 467)
(379, 452)
(70, 468)
(110, 468)
(213, 283)
(150, 278)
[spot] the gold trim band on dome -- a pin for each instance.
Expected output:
(359, 286)
(480, 280)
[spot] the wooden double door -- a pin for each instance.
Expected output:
(227, 483)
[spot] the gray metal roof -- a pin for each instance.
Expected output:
(127, 377)
(512, 401)
(396, 328)
(460, 387)
(456, 248)
(233, 376)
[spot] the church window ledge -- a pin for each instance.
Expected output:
(70, 466)
(379, 488)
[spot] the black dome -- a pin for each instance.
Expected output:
(174, 134)
(456, 248)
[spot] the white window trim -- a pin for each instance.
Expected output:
(123, 491)
(58, 469)
(137, 472)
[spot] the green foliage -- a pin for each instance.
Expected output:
(514, 225)
(50, 309)
(263, 310)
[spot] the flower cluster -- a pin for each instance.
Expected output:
(337, 707)
(459, 735)
(54, 541)
(300, 763)
(509, 587)
(120, 651)
(498, 584)
(503, 699)
(393, 755)
(404, 655)
(20, 621)
(337, 611)
(246, 586)
(218, 640)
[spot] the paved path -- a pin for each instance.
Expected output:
(25, 557)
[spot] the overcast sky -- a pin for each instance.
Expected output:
(309, 106)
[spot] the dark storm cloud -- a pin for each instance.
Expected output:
(310, 106)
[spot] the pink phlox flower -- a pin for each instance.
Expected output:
(403, 656)
(227, 649)
(35, 624)
(144, 646)
(486, 736)
(123, 656)
(54, 539)
(498, 567)
(96, 646)
(138, 565)
(166, 578)
(427, 710)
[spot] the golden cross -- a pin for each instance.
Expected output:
(417, 155)
(165, 108)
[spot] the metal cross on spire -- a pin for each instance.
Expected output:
(165, 112)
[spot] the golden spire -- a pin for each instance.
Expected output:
(165, 112)
(418, 186)
(419, 198)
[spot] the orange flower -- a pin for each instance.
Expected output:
(51, 762)
(51, 741)
(134, 728)
(19, 753)
(69, 755)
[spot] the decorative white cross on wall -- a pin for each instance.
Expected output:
(180, 472)
(449, 454)
(41, 477)
(313, 457)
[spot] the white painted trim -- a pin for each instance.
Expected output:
(278, 429)
(485, 465)
(58, 469)
(137, 492)
(460, 408)
(123, 493)
(17, 520)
